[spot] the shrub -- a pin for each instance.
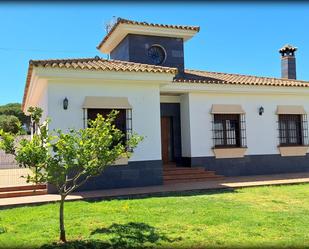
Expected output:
(10, 123)
(14, 109)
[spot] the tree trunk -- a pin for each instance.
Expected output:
(61, 220)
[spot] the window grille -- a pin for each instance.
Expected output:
(34, 128)
(304, 127)
(293, 130)
(229, 130)
(129, 127)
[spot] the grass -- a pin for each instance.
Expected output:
(261, 217)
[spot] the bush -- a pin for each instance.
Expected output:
(9, 123)
(15, 110)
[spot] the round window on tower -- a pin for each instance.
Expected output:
(156, 54)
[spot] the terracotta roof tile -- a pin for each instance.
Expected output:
(205, 77)
(101, 64)
(126, 21)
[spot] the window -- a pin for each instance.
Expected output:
(157, 54)
(292, 129)
(120, 121)
(123, 121)
(229, 130)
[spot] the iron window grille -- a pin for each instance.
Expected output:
(293, 129)
(129, 130)
(229, 130)
(34, 129)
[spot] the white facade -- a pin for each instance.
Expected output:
(143, 95)
(261, 130)
(262, 133)
(146, 91)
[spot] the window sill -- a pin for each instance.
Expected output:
(293, 150)
(229, 152)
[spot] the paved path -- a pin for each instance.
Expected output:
(228, 182)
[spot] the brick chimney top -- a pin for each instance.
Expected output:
(288, 62)
(287, 50)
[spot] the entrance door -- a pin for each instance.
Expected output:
(167, 139)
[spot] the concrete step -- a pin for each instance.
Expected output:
(189, 176)
(185, 170)
(22, 188)
(193, 180)
(20, 193)
(173, 174)
(167, 167)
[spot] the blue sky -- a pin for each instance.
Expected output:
(236, 38)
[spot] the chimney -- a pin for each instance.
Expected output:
(288, 62)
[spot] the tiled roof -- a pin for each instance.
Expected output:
(126, 21)
(94, 64)
(101, 64)
(205, 77)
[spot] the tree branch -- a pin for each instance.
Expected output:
(78, 185)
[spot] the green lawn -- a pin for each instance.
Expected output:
(259, 217)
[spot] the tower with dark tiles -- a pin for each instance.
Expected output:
(148, 43)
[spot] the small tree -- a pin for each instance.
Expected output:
(14, 109)
(68, 160)
(10, 123)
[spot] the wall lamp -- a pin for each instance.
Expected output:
(65, 103)
(261, 110)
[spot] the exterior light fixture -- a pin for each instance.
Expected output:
(261, 110)
(65, 103)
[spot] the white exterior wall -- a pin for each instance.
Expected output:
(185, 125)
(143, 93)
(43, 103)
(144, 98)
(261, 131)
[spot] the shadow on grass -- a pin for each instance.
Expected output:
(130, 235)
(133, 235)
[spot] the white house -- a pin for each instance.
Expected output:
(227, 123)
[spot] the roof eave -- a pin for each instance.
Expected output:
(27, 84)
(121, 30)
(48, 65)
